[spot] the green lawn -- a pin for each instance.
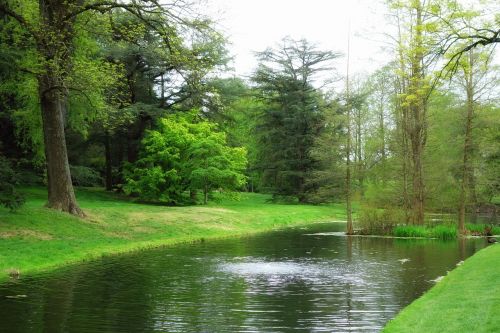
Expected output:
(466, 300)
(36, 238)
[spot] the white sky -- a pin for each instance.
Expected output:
(254, 25)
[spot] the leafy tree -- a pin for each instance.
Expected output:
(212, 164)
(181, 155)
(52, 28)
(234, 106)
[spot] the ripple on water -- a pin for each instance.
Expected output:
(317, 272)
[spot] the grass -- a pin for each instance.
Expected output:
(36, 239)
(479, 228)
(444, 231)
(466, 300)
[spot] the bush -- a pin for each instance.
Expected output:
(9, 197)
(478, 229)
(184, 155)
(85, 176)
(379, 221)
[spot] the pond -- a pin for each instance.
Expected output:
(310, 279)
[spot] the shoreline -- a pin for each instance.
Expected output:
(36, 240)
(467, 299)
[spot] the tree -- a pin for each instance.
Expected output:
(212, 164)
(466, 27)
(53, 27)
(416, 38)
(184, 154)
(293, 115)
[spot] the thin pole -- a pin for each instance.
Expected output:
(350, 229)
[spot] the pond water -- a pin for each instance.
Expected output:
(301, 280)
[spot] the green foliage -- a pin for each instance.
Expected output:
(442, 231)
(379, 221)
(184, 155)
(85, 176)
(391, 222)
(293, 115)
(9, 197)
(479, 229)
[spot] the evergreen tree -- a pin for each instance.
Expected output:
(293, 116)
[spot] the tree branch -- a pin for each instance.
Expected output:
(5, 9)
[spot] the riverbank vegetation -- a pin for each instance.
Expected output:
(466, 300)
(131, 97)
(137, 97)
(35, 238)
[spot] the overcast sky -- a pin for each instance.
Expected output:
(257, 24)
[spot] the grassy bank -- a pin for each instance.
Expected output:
(36, 238)
(466, 300)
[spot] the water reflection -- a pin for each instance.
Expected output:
(313, 280)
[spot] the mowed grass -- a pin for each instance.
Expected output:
(36, 238)
(466, 300)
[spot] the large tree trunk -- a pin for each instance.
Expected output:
(56, 50)
(60, 187)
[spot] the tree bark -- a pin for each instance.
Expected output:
(60, 188)
(193, 194)
(205, 194)
(56, 48)
(350, 229)
(107, 152)
(403, 128)
(466, 167)
(417, 129)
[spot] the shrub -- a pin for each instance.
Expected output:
(379, 221)
(182, 155)
(478, 229)
(9, 197)
(85, 176)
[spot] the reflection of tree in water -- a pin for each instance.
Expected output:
(310, 282)
(85, 297)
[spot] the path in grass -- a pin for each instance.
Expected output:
(466, 300)
(36, 238)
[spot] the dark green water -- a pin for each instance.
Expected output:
(299, 280)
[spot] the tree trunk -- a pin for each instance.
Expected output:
(205, 194)
(382, 132)
(466, 168)
(418, 186)
(417, 129)
(56, 50)
(404, 128)
(60, 187)
(192, 195)
(107, 152)
(350, 229)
